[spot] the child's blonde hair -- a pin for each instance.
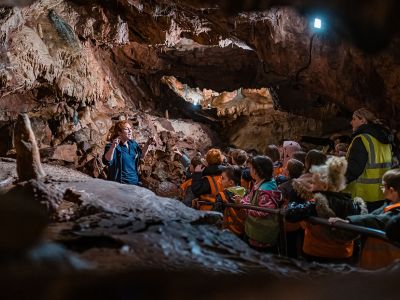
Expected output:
(332, 174)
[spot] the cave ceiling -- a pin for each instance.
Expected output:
(114, 54)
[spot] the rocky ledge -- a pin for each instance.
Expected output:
(118, 227)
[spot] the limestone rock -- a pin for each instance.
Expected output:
(46, 195)
(97, 195)
(167, 189)
(42, 131)
(28, 157)
(65, 152)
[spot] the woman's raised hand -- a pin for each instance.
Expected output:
(115, 142)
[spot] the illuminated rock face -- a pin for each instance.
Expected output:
(78, 66)
(249, 117)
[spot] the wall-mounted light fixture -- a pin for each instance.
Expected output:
(317, 23)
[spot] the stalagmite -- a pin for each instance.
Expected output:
(28, 157)
(40, 30)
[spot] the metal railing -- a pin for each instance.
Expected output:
(371, 232)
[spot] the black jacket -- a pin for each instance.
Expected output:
(393, 229)
(358, 155)
(326, 204)
(200, 184)
(377, 219)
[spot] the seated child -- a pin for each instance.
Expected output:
(375, 253)
(206, 180)
(273, 153)
(341, 149)
(321, 243)
(186, 191)
(261, 228)
(294, 233)
(233, 218)
(294, 169)
(300, 156)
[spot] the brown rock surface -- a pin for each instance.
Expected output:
(28, 157)
(76, 66)
(120, 230)
(117, 227)
(62, 152)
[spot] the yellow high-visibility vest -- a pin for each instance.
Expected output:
(367, 186)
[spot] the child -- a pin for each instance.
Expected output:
(186, 191)
(375, 253)
(272, 152)
(324, 244)
(206, 180)
(239, 158)
(294, 169)
(301, 192)
(300, 156)
(233, 218)
(294, 233)
(262, 229)
(288, 149)
(341, 149)
(246, 181)
(298, 195)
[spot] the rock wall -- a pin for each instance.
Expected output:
(74, 68)
(77, 66)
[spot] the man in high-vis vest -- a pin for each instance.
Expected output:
(369, 157)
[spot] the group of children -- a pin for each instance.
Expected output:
(282, 189)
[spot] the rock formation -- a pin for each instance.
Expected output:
(117, 227)
(28, 157)
(191, 74)
(77, 67)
